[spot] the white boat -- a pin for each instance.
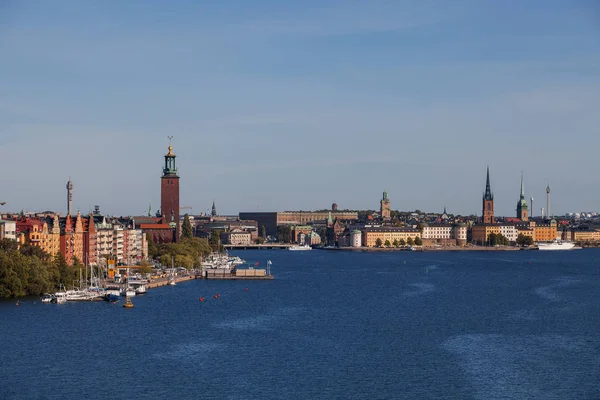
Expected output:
(140, 289)
(556, 245)
(59, 298)
(128, 291)
(300, 248)
(46, 298)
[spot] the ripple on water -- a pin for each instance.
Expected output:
(419, 288)
(528, 367)
(548, 292)
(195, 351)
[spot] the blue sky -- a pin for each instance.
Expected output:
(294, 105)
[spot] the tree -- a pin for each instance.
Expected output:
(259, 240)
(152, 247)
(387, 243)
(418, 241)
(378, 242)
(401, 242)
(263, 231)
(410, 241)
(523, 240)
(284, 233)
(186, 228)
(395, 243)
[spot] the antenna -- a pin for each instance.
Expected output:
(170, 139)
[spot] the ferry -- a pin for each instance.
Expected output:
(556, 245)
(300, 248)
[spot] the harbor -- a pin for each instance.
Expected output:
(120, 282)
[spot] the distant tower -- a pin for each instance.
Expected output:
(488, 201)
(385, 207)
(69, 196)
(214, 210)
(334, 207)
(169, 191)
(531, 202)
(522, 207)
(548, 202)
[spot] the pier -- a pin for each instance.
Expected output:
(267, 246)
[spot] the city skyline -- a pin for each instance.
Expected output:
(284, 107)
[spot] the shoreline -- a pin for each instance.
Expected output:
(426, 249)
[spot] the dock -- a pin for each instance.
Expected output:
(266, 246)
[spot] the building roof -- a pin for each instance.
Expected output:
(155, 226)
(389, 229)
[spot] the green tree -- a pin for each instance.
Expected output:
(401, 242)
(395, 243)
(152, 247)
(186, 228)
(185, 261)
(284, 233)
(418, 241)
(523, 240)
(378, 242)
(263, 231)
(410, 241)
(259, 240)
(387, 243)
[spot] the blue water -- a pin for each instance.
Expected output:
(456, 325)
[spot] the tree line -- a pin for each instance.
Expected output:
(30, 271)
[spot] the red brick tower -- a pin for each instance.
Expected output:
(169, 192)
(488, 202)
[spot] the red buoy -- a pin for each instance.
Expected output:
(215, 296)
(246, 289)
(201, 298)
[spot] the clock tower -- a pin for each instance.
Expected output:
(169, 192)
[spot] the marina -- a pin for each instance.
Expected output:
(215, 267)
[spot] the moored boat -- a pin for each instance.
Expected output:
(557, 245)
(300, 248)
(46, 298)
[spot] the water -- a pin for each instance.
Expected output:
(459, 325)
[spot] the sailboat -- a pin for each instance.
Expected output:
(127, 291)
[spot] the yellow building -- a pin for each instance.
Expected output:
(585, 236)
(50, 238)
(481, 232)
(390, 233)
(544, 232)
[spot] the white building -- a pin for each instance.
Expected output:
(510, 232)
(437, 231)
(8, 230)
(356, 238)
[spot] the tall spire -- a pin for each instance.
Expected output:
(214, 210)
(488, 191)
(522, 187)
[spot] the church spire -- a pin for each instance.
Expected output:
(214, 210)
(522, 187)
(488, 191)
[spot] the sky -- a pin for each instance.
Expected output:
(277, 105)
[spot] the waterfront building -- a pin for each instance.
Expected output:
(270, 220)
(522, 208)
(356, 238)
(480, 233)
(236, 237)
(90, 241)
(488, 201)
(390, 233)
(313, 238)
(169, 195)
(384, 208)
(71, 239)
(445, 234)
(334, 230)
(299, 230)
(8, 229)
(584, 235)
(546, 232)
